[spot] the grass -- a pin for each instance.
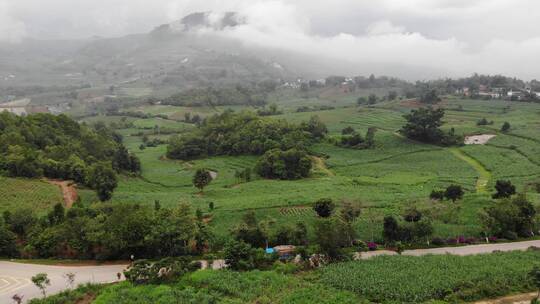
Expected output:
(82, 294)
(229, 287)
(406, 279)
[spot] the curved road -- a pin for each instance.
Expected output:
(15, 278)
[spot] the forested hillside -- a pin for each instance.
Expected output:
(45, 145)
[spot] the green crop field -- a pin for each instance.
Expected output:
(407, 279)
(24, 193)
(396, 174)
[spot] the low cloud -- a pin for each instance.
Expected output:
(445, 37)
(11, 30)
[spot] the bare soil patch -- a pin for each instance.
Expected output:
(478, 139)
(516, 299)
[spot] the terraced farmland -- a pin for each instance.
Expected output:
(394, 175)
(35, 194)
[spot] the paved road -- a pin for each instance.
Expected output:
(15, 278)
(463, 250)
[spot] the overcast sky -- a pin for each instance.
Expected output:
(457, 36)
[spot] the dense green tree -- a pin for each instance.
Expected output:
(437, 195)
(277, 164)
(57, 215)
(391, 231)
(329, 238)
(510, 218)
(361, 100)
(284, 235)
(324, 207)
(21, 221)
(454, 192)
(251, 231)
(504, 189)
(370, 137)
(372, 99)
(535, 277)
(347, 130)
(300, 234)
(412, 215)
(505, 127)
(123, 232)
(392, 95)
(103, 178)
(429, 96)
(423, 125)
(239, 255)
(186, 147)
(350, 211)
(7, 241)
(315, 127)
(233, 95)
(172, 230)
(232, 133)
(201, 179)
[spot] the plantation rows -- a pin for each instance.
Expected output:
(296, 211)
(407, 279)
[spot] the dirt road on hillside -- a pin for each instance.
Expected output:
(69, 192)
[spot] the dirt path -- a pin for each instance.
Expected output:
(68, 191)
(515, 299)
(483, 174)
(321, 166)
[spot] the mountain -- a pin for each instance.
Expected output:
(190, 52)
(172, 55)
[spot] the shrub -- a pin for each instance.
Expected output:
(361, 246)
(437, 195)
(438, 241)
(324, 207)
(505, 127)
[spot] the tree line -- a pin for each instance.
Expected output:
(103, 231)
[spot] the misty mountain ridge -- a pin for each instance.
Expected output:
(170, 57)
